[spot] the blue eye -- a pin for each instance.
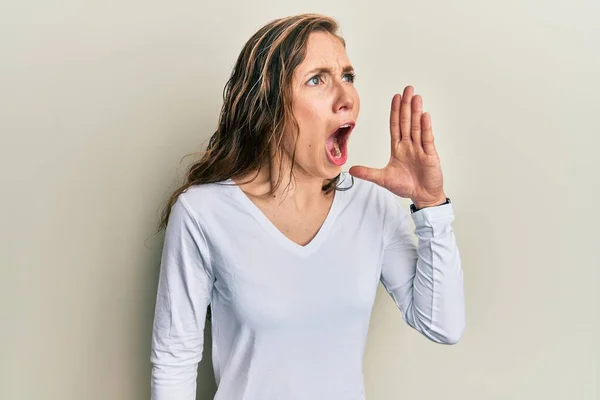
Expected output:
(312, 80)
(351, 77)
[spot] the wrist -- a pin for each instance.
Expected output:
(424, 204)
(418, 205)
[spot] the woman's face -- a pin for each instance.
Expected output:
(325, 105)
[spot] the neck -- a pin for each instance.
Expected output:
(300, 188)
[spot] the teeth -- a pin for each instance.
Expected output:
(336, 147)
(336, 150)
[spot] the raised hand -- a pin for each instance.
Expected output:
(414, 169)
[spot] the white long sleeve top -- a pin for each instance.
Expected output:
(290, 322)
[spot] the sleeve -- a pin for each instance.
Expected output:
(184, 293)
(426, 279)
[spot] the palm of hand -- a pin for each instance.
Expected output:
(414, 169)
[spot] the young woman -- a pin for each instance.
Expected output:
(288, 250)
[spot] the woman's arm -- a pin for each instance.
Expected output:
(184, 293)
(426, 280)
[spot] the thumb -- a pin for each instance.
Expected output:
(369, 174)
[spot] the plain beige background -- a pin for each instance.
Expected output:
(100, 100)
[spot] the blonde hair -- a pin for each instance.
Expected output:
(257, 104)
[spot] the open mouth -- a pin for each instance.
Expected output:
(337, 144)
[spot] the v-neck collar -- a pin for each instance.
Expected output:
(279, 236)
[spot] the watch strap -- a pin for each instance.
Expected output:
(414, 209)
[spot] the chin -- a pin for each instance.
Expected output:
(333, 172)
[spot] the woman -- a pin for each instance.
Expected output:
(285, 248)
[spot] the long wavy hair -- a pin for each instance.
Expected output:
(257, 105)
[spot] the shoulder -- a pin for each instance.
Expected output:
(206, 192)
(206, 200)
(370, 195)
(371, 202)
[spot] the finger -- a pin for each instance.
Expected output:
(427, 138)
(395, 118)
(405, 113)
(369, 174)
(417, 111)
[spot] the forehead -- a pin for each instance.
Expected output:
(324, 50)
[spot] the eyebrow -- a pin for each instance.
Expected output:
(327, 70)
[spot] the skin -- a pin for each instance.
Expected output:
(414, 169)
(324, 97)
(322, 101)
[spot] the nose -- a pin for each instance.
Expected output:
(345, 97)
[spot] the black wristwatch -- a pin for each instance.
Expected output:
(414, 209)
